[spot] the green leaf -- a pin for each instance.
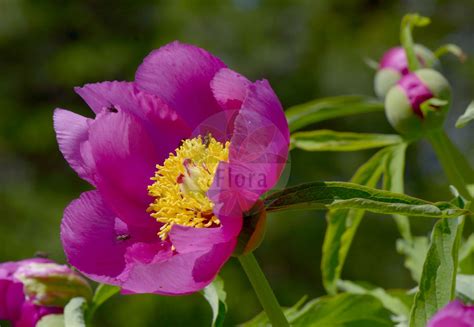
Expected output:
(102, 293)
(438, 279)
(74, 312)
(262, 320)
(461, 161)
(466, 256)
(322, 109)
(343, 224)
(466, 117)
(449, 157)
(53, 320)
(406, 296)
(327, 140)
(470, 189)
(465, 286)
(391, 303)
(343, 310)
(215, 295)
(394, 170)
(415, 252)
(410, 21)
(343, 195)
(371, 63)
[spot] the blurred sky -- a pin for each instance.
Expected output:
(306, 49)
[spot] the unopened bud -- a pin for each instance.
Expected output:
(418, 102)
(394, 65)
(50, 284)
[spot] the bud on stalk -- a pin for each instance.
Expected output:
(394, 65)
(50, 284)
(418, 102)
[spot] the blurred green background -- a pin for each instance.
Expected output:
(306, 49)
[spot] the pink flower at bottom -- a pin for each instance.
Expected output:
(15, 306)
(176, 158)
(455, 314)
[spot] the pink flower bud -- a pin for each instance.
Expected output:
(418, 102)
(50, 284)
(394, 65)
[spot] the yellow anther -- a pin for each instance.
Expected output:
(181, 183)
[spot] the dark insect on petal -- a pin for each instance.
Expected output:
(112, 109)
(123, 237)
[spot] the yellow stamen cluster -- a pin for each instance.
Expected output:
(181, 184)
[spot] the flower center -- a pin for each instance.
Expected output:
(182, 182)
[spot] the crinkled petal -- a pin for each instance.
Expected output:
(95, 240)
(125, 156)
(163, 123)
(229, 88)
(8, 269)
(189, 239)
(145, 253)
(72, 133)
(90, 239)
(180, 274)
(180, 74)
(258, 150)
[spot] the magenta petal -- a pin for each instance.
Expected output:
(8, 269)
(179, 274)
(188, 239)
(258, 151)
(395, 59)
(455, 314)
(207, 266)
(416, 91)
(229, 88)
(72, 133)
(11, 299)
(90, 239)
(261, 135)
(31, 314)
(105, 95)
(145, 253)
(163, 123)
(235, 188)
(125, 156)
(4, 312)
(102, 246)
(180, 74)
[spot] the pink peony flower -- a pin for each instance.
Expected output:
(455, 314)
(176, 158)
(16, 305)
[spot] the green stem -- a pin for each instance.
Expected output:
(409, 21)
(442, 146)
(263, 290)
(408, 44)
